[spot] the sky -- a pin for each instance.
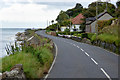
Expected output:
(34, 13)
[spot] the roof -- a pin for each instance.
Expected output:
(92, 19)
(78, 19)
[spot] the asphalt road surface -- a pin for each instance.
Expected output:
(79, 60)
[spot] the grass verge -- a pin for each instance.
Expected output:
(36, 59)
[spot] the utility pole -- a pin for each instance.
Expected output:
(106, 5)
(97, 17)
(70, 26)
(106, 1)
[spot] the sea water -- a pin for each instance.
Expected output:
(7, 36)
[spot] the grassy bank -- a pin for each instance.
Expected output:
(30, 64)
(36, 57)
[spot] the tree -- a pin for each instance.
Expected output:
(91, 11)
(66, 23)
(75, 11)
(61, 17)
(118, 4)
(53, 27)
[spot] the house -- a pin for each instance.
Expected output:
(91, 22)
(76, 22)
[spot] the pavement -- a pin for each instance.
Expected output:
(79, 60)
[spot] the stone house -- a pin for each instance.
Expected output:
(91, 22)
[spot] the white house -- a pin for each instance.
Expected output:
(76, 22)
(91, 22)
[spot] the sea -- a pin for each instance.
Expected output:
(7, 36)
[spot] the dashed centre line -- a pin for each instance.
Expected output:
(105, 73)
(78, 47)
(74, 45)
(94, 61)
(81, 49)
(87, 54)
(91, 59)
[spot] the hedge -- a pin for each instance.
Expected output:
(106, 38)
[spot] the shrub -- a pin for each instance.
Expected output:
(106, 38)
(94, 38)
(104, 23)
(90, 35)
(113, 30)
(117, 42)
(78, 35)
(84, 35)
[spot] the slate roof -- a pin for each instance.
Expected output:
(92, 19)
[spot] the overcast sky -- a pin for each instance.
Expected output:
(34, 13)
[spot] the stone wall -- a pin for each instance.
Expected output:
(109, 46)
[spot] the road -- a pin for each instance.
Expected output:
(80, 60)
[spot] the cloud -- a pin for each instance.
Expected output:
(28, 13)
(34, 12)
(35, 1)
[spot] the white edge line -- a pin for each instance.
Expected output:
(30, 38)
(106, 74)
(94, 61)
(52, 63)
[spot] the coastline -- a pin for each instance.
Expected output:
(8, 36)
(34, 39)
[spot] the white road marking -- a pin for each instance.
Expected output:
(106, 74)
(78, 47)
(87, 54)
(81, 49)
(94, 61)
(74, 45)
(30, 38)
(91, 59)
(52, 63)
